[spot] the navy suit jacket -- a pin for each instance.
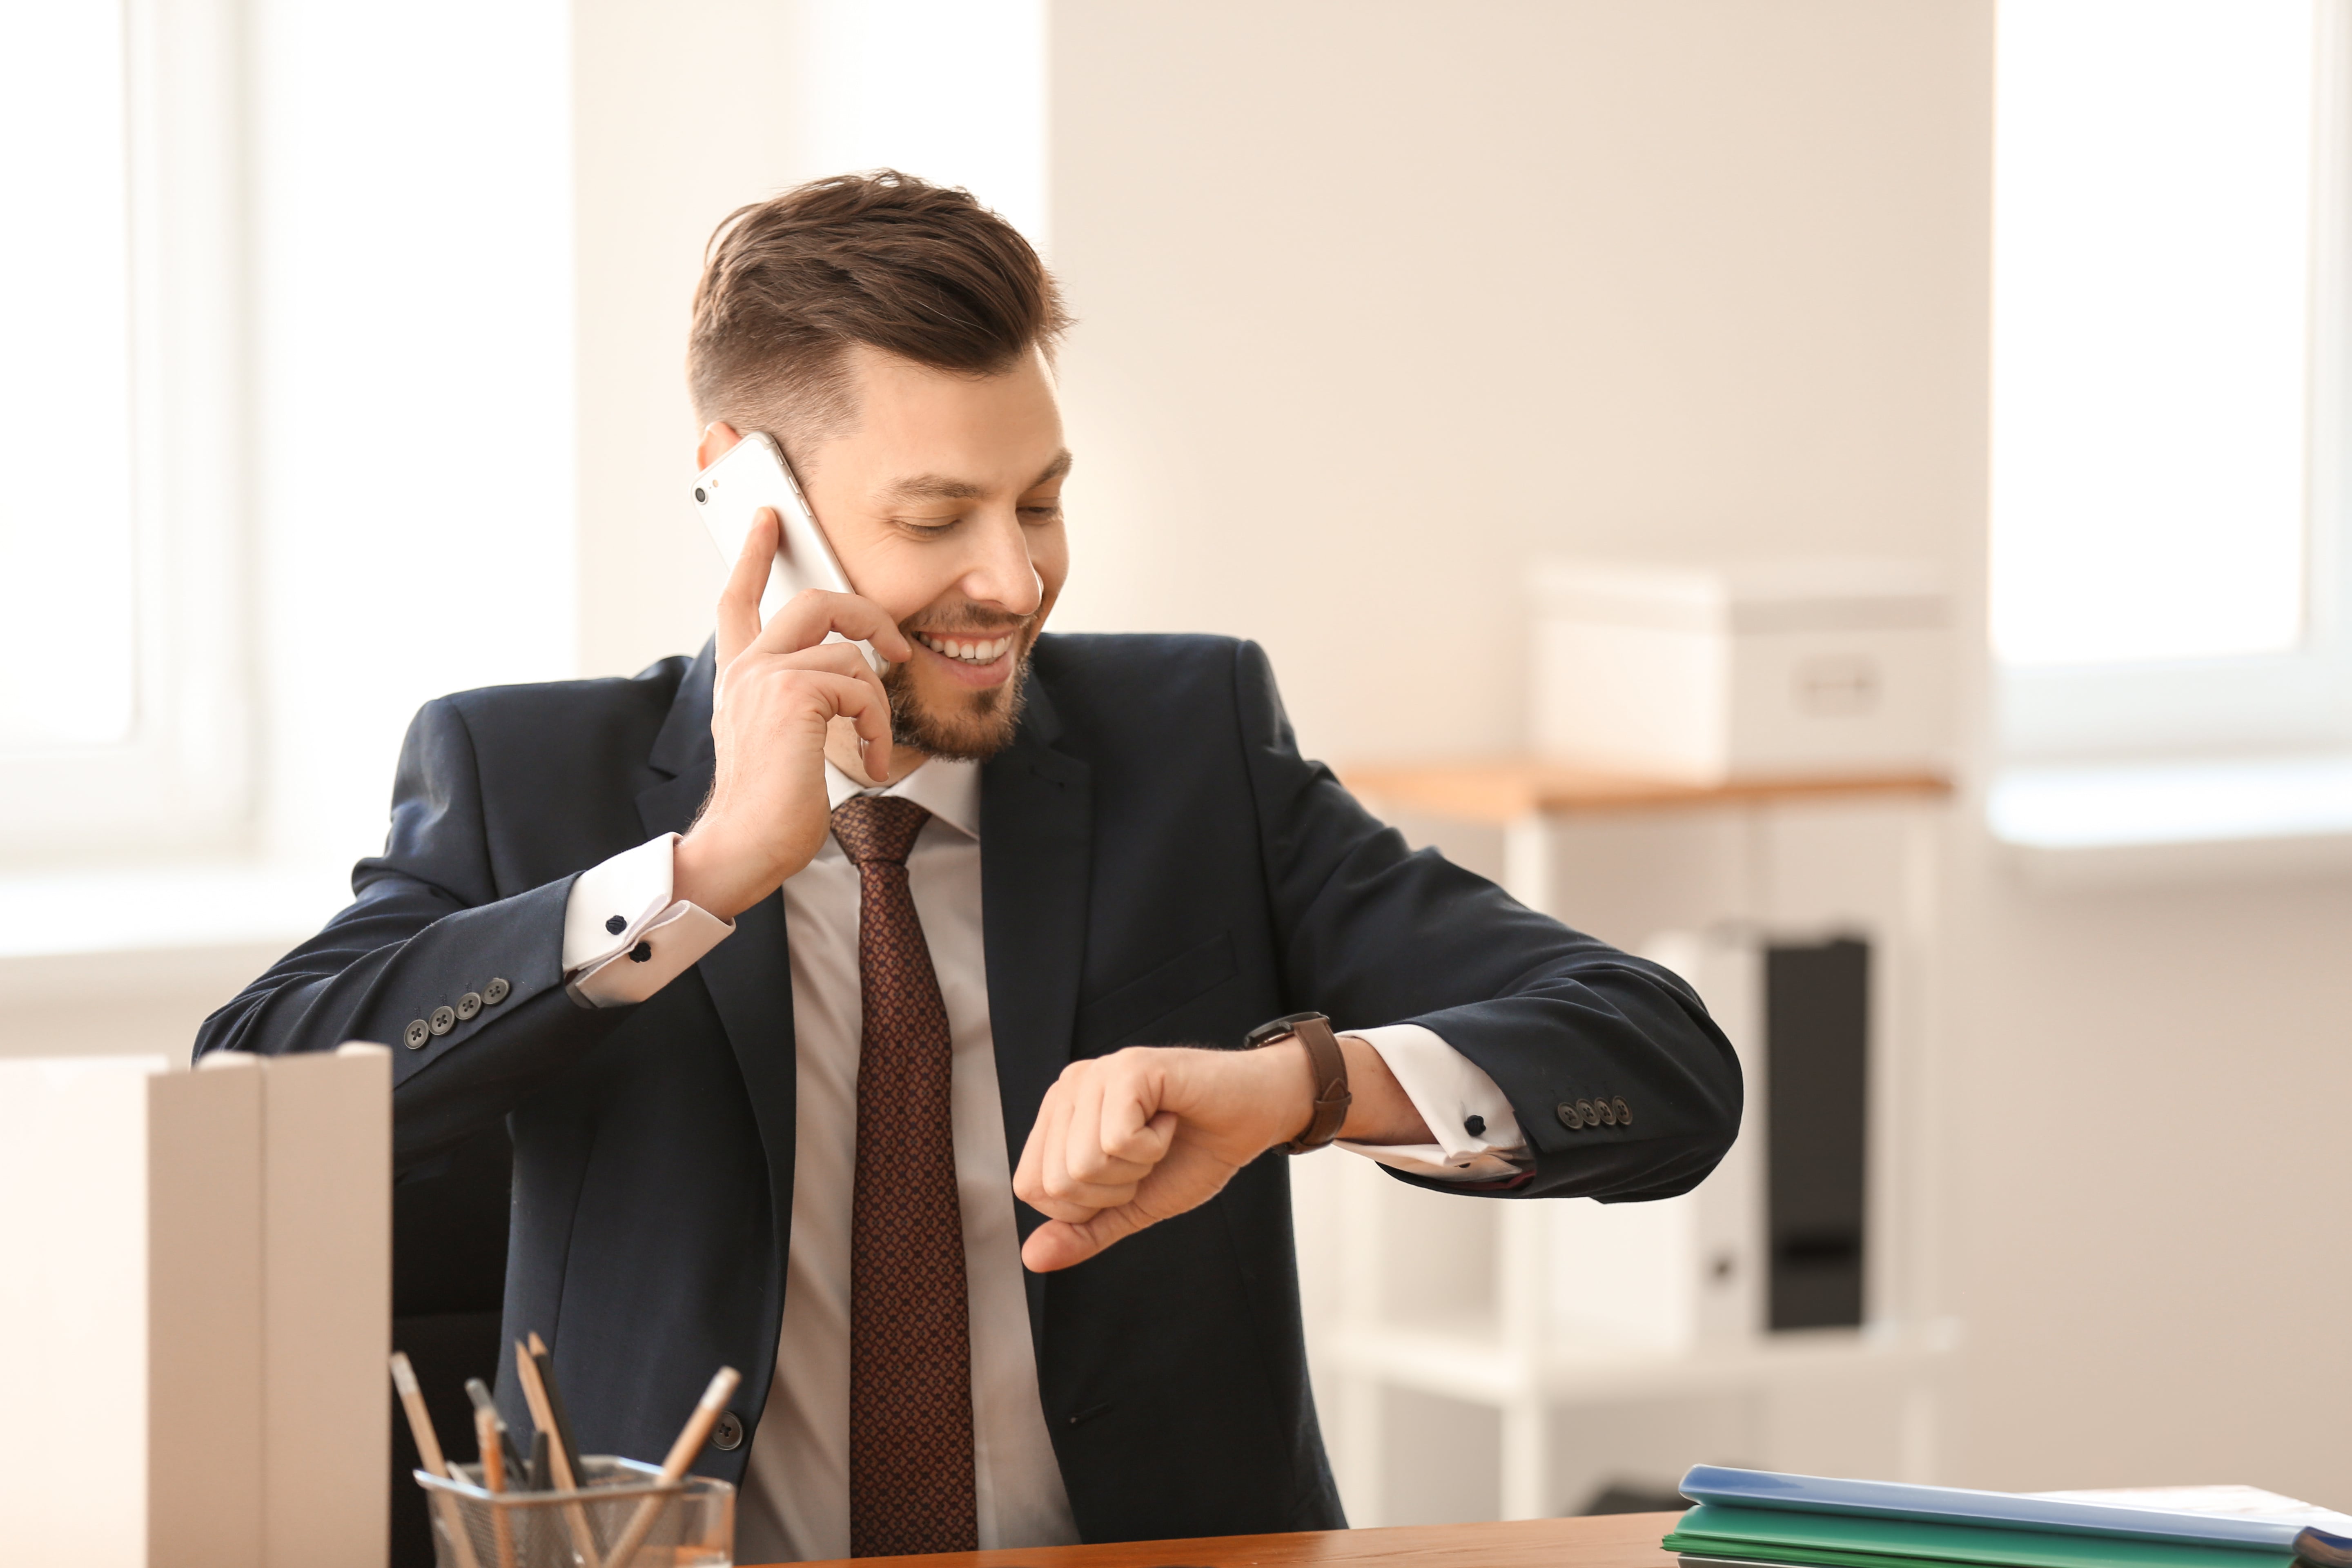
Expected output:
(1159, 865)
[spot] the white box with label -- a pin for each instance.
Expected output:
(1769, 671)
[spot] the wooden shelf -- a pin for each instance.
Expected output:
(1509, 788)
(1484, 1370)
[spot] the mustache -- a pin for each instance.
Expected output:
(969, 623)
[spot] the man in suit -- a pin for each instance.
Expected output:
(788, 978)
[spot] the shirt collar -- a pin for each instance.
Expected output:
(947, 787)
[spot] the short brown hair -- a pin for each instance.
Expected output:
(881, 258)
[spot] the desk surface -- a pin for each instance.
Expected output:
(1511, 787)
(1610, 1541)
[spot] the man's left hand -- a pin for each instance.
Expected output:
(1126, 1140)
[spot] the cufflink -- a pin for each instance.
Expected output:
(642, 951)
(1475, 1125)
(616, 925)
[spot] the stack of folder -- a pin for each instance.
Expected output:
(1756, 1519)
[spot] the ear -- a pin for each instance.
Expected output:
(717, 439)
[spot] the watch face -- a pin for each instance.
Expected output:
(1267, 1032)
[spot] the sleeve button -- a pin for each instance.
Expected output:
(729, 1434)
(1569, 1117)
(495, 992)
(416, 1033)
(1591, 1113)
(444, 1020)
(1625, 1112)
(468, 1005)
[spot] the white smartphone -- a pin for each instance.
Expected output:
(728, 494)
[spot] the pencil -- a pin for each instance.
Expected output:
(563, 1431)
(534, 1394)
(691, 1438)
(517, 1469)
(428, 1451)
(490, 1434)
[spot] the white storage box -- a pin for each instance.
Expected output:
(1705, 675)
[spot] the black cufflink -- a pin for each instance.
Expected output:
(616, 925)
(641, 953)
(1475, 1126)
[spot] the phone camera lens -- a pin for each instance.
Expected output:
(699, 495)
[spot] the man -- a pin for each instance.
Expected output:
(788, 979)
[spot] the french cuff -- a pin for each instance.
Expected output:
(1478, 1136)
(625, 936)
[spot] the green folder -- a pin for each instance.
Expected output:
(1846, 1540)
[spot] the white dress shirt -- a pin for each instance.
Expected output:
(625, 937)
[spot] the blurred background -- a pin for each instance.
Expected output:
(342, 369)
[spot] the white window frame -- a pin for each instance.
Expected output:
(184, 779)
(2299, 701)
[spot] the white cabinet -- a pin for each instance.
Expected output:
(1497, 1358)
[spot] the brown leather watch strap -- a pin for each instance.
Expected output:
(1330, 1064)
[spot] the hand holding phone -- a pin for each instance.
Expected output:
(798, 668)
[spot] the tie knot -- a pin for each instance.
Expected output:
(878, 827)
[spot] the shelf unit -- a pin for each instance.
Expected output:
(1500, 1306)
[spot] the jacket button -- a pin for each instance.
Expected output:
(444, 1020)
(495, 992)
(729, 1434)
(416, 1033)
(1591, 1115)
(1608, 1117)
(1625, 1112)
(1569, 1117)
(468, 1005)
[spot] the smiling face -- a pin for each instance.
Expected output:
(942, 495)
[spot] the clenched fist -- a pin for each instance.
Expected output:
(1126, 1140)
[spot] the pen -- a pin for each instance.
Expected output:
(691, 1438)
(534, 1392)
(2319, 1549)
(428, 1452)
(489, 1432)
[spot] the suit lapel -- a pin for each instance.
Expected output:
(749, 975)
(1037, 815)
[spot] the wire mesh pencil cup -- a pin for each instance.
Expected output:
(624, 1515)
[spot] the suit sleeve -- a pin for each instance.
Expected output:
(1373, 934)
(428, 931)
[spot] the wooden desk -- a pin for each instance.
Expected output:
(1610, 1541)
(1508, 789)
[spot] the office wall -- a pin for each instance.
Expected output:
(1379, 302)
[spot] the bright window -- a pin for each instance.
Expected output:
(68, 604)
(2167, 386)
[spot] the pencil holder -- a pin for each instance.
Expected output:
(624, 1515)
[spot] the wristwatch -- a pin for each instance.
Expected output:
(1313, 1030)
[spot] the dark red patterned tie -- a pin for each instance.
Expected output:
(910, 1483)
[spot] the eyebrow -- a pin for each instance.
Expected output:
(938, 487)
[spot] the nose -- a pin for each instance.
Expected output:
(1000, 572)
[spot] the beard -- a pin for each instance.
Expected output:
(970, 726)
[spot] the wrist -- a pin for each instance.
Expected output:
(705, 873)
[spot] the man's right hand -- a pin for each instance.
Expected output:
(779, 686)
